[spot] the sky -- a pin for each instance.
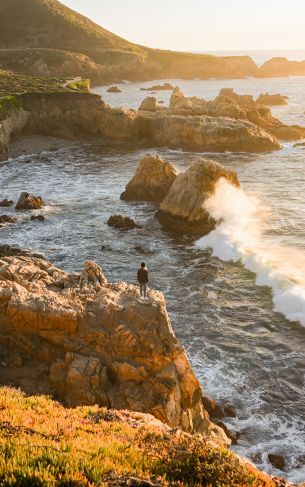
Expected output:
(200, 25)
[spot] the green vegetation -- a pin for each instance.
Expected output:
(8, 102)
(44, 444)
(12, 84)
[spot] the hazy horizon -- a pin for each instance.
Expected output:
(213, 26)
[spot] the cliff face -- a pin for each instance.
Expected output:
(98, 343)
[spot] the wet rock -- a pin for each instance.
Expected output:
(149, 104)
(7, 219)
(183, 209)
(142, 250)
(39, 218)
(164, 87)
(6, 203)
(229, 410)
(10, 250)
(230, 434)
(277, 460)
(105, 248)
(28, 201)
(272, 100)
(213, 408)
(152, 180)
(114, 89)
(122, 222)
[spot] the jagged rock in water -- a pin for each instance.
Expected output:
(7, 219)
(183, 210)
(152, 180)
(114, 89)
(39, 218)
(122, 222)
(149, 104)
(9, 251)
(238, 107)
(272, 100)
(6, 203)
(277, 460)
(28, 201)
(98, 343)
(164, 87)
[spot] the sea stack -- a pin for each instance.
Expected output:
(182, 210)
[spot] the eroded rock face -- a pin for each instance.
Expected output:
(152, 180)
(98, 343)
(183, 208)
(28, 201)
(149, 104)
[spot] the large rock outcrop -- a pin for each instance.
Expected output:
(242, 108)
(97, 343)
(152, 180)
(183, 209)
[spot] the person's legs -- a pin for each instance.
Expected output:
(141, 289)
(145, 290)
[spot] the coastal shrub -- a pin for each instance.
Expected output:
(44, 444)
(8, 102)
(191, 462)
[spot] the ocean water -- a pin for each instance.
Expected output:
(235, 296)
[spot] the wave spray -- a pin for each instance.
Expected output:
(240, 236)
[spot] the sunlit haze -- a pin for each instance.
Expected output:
(198, 25)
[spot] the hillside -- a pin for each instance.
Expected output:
(48, 25)
(45, 444)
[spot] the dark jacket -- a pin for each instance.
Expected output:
(143, 276)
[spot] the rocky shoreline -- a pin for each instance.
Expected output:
(229, 123)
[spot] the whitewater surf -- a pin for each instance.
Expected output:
(240, 236)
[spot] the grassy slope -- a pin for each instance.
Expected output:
(15, 84)
(44, 444)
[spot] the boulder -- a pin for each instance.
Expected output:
(272, 100)
(7, 219)
(114, 89)
(122, 222)
(10, 250)
(182, 210)
(39, 218)
(28, 201)
(152, 180)
(277, 460)
(6, 203)
(98, 344)
(149, 104)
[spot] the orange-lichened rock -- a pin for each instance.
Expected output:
(98, 343)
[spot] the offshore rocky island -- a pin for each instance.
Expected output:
(131, 410)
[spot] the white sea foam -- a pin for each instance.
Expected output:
(240, 236)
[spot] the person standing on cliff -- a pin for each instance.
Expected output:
(143, 280)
